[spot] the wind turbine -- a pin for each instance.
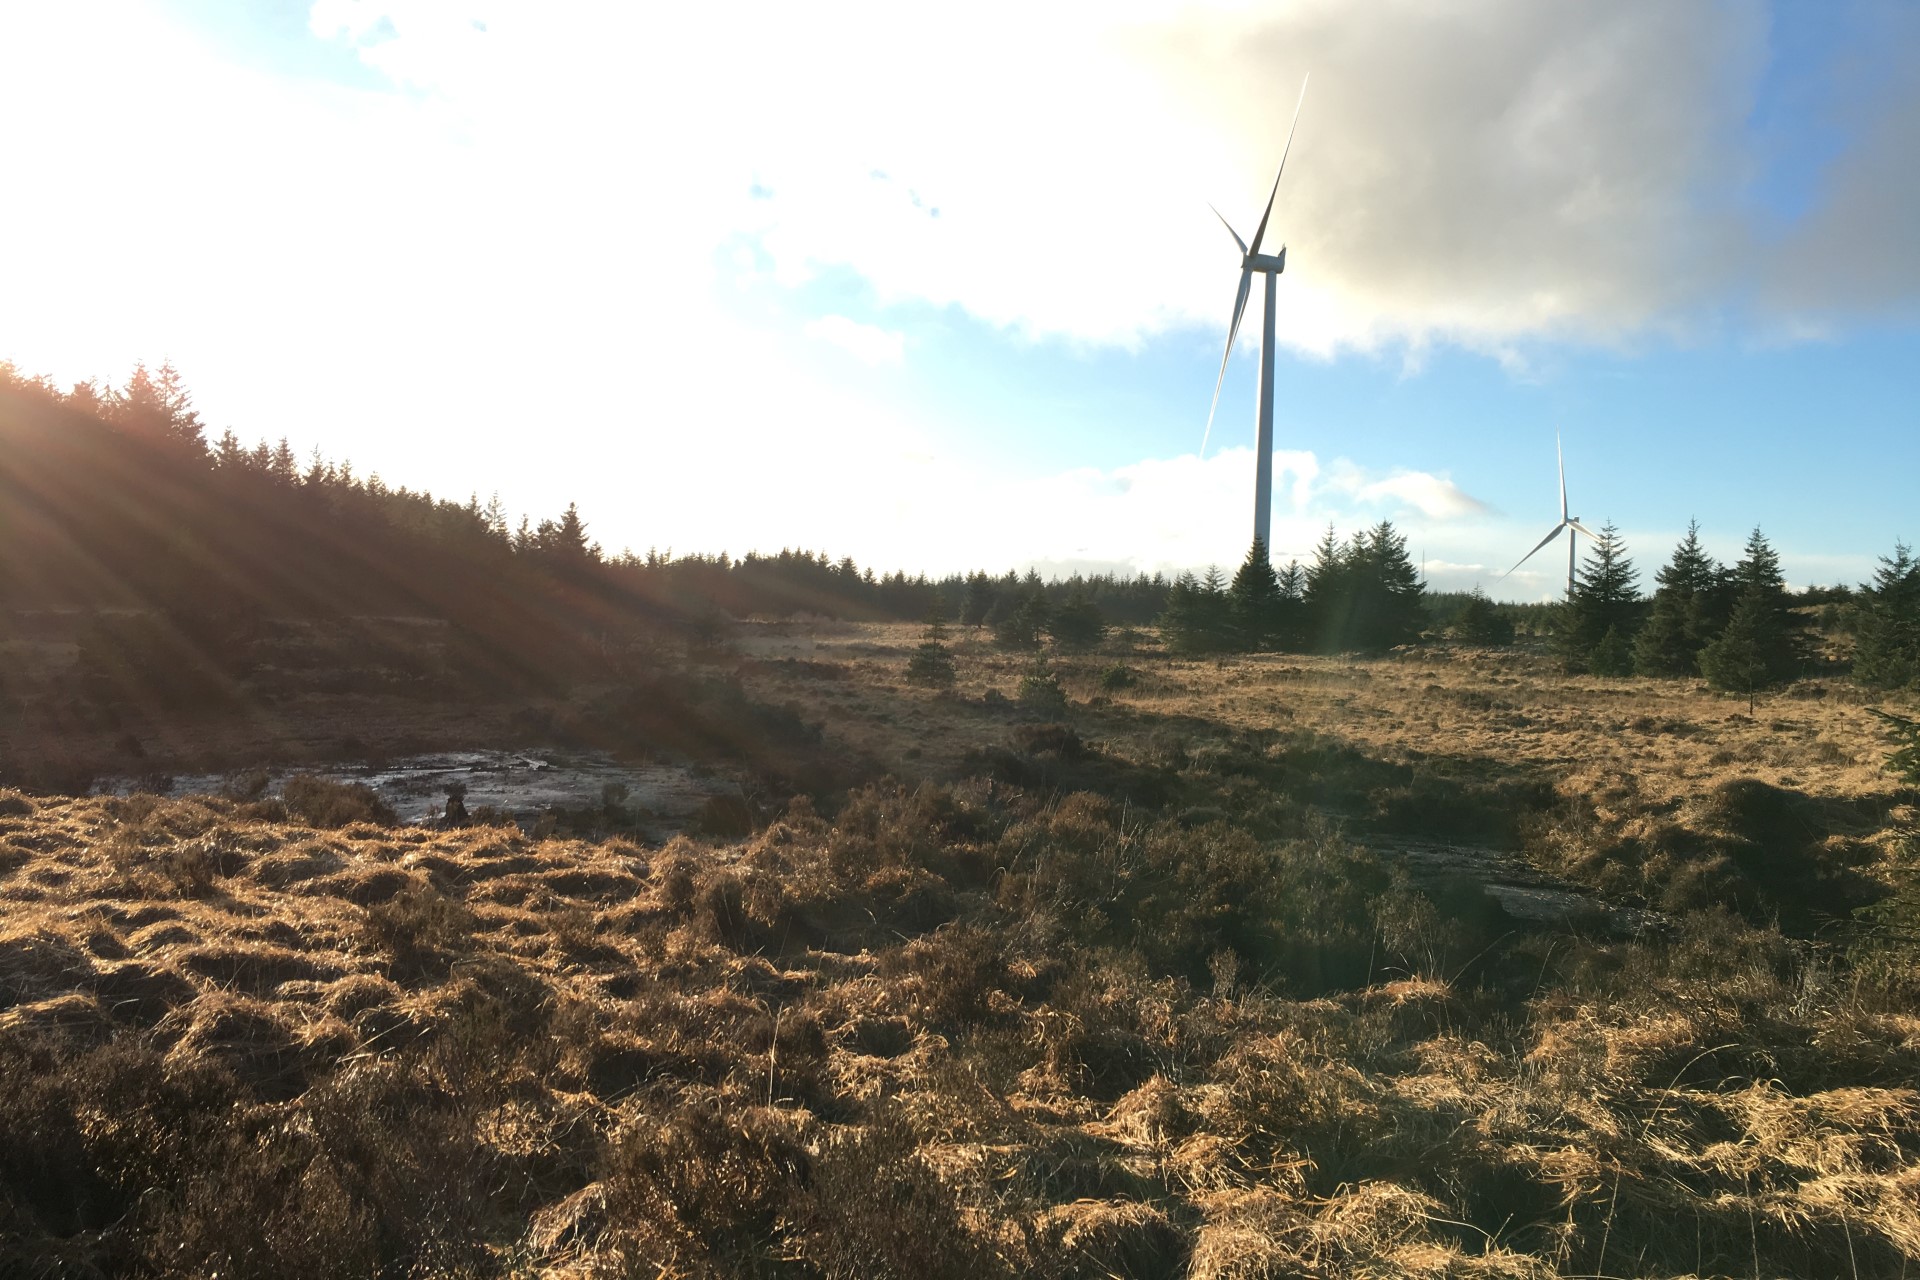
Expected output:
(1566, 522)
(1270, 266)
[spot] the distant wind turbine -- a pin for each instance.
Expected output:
(1571, 523)
(1270, 266)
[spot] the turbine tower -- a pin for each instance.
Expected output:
(1567, 522)
(1270, 266)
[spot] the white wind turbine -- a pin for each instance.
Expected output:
(1270, 266)
(1567, 522)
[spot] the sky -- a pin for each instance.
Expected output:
(938, 286)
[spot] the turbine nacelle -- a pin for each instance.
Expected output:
(1274, 262)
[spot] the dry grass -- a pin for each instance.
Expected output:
(1658, 793)
(1629, 745)
(1120, 999)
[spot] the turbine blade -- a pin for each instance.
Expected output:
(1563, 475)
(1575, 524)
(1261, 233)
(1233, 331)
(1543, 542)
(1230, 231)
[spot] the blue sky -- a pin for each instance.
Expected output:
(938, 287)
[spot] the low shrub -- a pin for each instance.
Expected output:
(932, 665)
(1040, 692)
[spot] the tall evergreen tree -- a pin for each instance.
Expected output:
(1737, 661)
(1196, 619)
(977, 600)
(1690, 607)
(1392, 591)
(1329, 602)
(1757, 577)
(228, 456)
(1887, 623)
(1761, 644)
(1365, 594)
(1255, 601)
(155, 406)
(1292, 631)
(937, 615)
(1177, 617)
(1605, 601)
(1759, 568)
(1215, 612)
(1024, 618)
(286, 467)
(563, 543)
(1077, 624)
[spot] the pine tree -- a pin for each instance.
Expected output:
(1481, 622)
(228, 456)
(1663, 648)
(1364, 595)
(562, 544)
(1040, 690)
(932, 663)
(154, 406)
(1328, 600)
(85, 397)
(1024, 619)
(1612, 656)
(1077, 625)
(1887, 628)
(936, 616)
(1195, 618)
(1255, 601)
(1757, 577)
(1176, 616)
(1604, 600)
(1738, 660)
(1392, 610)
(1292, 631)
(1215, 614)
(978, 600)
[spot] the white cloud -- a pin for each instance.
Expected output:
(1436, 497)
(866, 343)
(1481, 173)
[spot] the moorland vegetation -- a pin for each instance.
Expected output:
(1027, 938)
(1151, 992)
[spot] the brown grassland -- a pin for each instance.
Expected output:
(1155, 987)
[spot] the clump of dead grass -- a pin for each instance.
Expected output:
(925, 1030)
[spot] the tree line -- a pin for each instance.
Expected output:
(113, 497)
(1360, 595)
(1737, 626)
